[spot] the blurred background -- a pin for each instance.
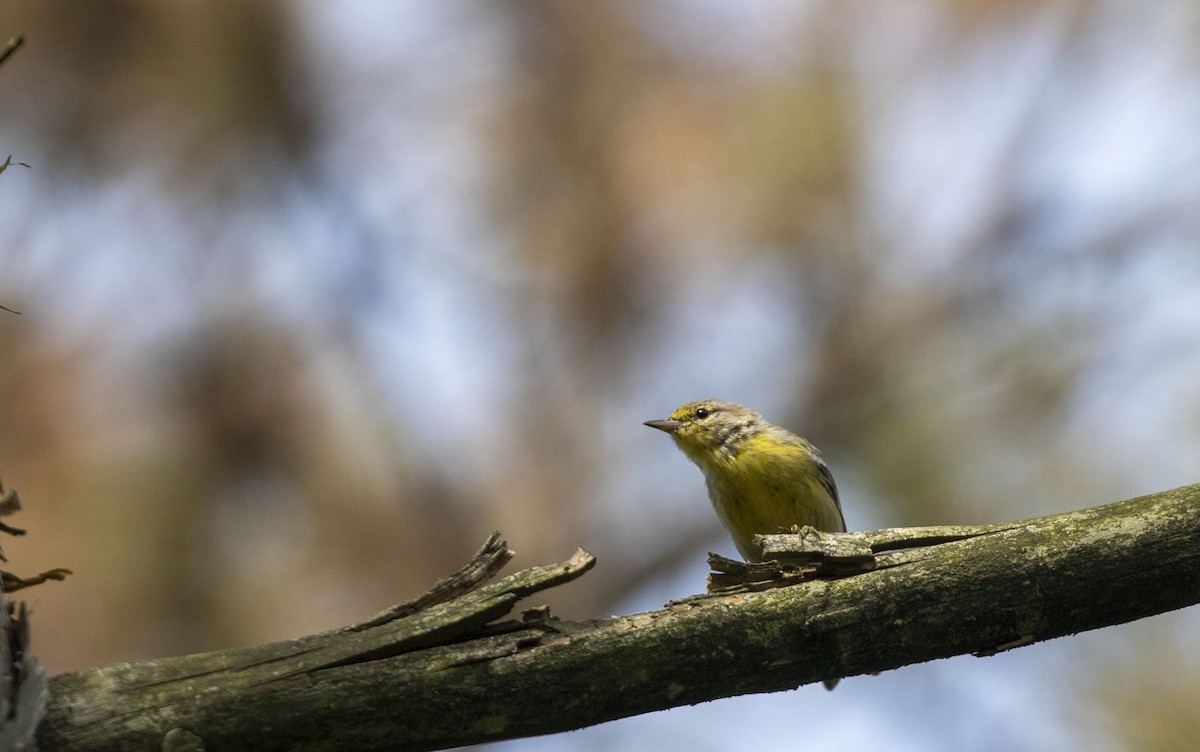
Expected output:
(316, 295)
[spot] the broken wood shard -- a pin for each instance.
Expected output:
(487, 561)
(811, 554)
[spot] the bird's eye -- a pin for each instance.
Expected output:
(703, 412)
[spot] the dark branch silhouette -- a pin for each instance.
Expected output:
(453, 667)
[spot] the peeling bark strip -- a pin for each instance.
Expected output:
(448, 669)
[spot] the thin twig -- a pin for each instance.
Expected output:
(13, 45)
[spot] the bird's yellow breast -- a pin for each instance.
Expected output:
(767, 486)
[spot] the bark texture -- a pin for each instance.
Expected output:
(450, 669)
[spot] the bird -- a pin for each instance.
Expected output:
(762, 479)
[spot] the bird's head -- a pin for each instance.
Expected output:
(708, 429)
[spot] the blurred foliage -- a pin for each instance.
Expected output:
(1144, 700)
(315, 299)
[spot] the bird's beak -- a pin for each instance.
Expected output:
(670, 426)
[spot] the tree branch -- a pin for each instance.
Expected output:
(12, 46)
(451, 672)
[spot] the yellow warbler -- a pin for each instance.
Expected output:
(762, 479)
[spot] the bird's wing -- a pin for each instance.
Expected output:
(829, 485)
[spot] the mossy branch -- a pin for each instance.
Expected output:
(450, 670)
